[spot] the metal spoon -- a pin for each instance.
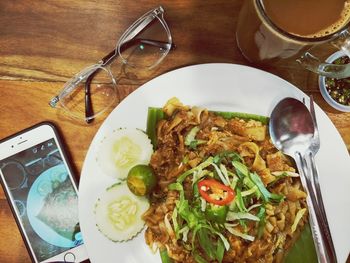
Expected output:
(291, 130)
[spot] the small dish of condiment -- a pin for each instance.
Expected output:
(336, 92)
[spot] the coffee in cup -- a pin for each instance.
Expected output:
(270, 30)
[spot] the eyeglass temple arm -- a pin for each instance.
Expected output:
(89, 111)
(108, 58)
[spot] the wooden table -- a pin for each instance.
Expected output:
(44, 43)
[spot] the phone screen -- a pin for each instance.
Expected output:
(45, 199)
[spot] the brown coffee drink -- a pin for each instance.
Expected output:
(308, 18)
(272, 30)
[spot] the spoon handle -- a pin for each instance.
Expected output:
(315, 215)
(317, 188)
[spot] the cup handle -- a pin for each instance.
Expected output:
(312, 63)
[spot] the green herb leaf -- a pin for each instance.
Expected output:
(278, 178)
(183, 206)
(199, 259)
(205, 241)
(220, 250)
(228, 156)
(266, 195)
(165, 256)
(262, 222)
(241, 169)
(239, 200)
(202, 165)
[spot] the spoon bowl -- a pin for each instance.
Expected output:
(291, 127)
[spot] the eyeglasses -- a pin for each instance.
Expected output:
(93, 90)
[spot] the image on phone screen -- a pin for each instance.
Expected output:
(45, 199)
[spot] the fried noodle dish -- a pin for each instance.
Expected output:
(225, 193)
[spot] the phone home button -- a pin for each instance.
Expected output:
(69, 257)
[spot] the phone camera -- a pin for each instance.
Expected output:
(12, 146)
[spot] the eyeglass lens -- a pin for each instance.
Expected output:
(145, 50)
(100, 87)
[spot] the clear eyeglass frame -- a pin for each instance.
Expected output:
(83, 81)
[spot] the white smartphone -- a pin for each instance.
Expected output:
(42, 193)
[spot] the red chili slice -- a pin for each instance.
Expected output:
(209, 189)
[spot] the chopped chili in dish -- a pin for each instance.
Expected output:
(339, 89)
(216, 193)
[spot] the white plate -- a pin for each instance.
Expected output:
(225, 87)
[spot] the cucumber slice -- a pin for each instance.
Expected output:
(118, 213)
(123, 149)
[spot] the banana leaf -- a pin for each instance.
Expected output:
(154, 115)
(242, 115)
(303, 249)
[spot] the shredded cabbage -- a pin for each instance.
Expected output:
(298, 216)
(231, 216)
(238, 233)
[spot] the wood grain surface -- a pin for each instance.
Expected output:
(44, 43)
